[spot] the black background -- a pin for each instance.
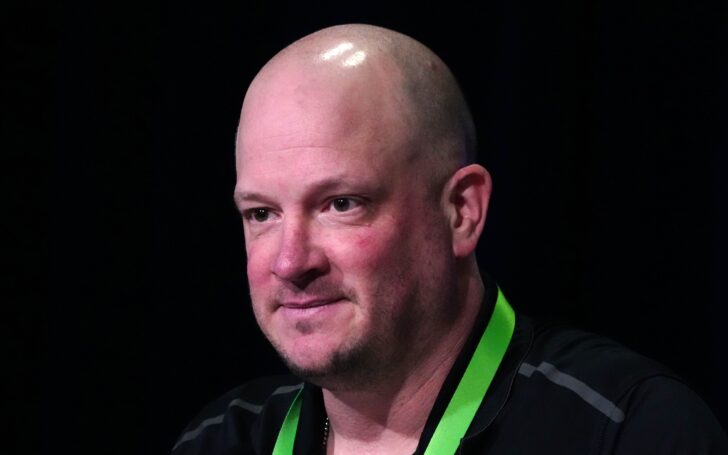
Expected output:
(603, 125)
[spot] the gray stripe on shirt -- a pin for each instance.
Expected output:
(237, 403)
(586, 393)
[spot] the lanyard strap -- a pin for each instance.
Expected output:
(467, 397)
(287, 435)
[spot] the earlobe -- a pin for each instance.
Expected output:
(467, 199)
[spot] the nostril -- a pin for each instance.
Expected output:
(300, 270)
(305, 279)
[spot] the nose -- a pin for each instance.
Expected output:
(299, 260)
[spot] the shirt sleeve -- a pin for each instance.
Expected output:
(664, 416)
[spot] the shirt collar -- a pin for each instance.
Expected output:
(500, 387)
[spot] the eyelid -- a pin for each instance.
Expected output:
(357, 202)
(355, 199)
(248, 214)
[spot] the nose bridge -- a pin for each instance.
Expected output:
(297, 255)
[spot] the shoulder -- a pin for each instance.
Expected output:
(240, 420)
(663, 415)
(619, 400)
(560, 351)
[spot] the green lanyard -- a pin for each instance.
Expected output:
(467, 397)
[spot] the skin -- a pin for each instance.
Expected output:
(360, 220)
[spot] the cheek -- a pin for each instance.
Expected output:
(402, 252)
(364, 242)
(373, 251)
(257, 264)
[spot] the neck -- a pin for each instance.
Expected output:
(389, 416)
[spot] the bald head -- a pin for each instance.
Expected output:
(362, 72)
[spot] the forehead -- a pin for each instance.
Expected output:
(297, 112)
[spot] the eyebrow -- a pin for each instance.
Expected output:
(246, 196)
(327, 184)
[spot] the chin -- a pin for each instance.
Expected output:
(314, 371)
(339, 370)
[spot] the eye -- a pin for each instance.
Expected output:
(344, 204)
(258, 214)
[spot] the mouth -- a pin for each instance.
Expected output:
(312, 303)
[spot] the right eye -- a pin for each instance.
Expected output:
(258, 215)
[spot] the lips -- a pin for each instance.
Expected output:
(309, 303)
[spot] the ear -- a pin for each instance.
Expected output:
(466, 198)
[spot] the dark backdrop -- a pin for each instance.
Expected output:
(602, 123)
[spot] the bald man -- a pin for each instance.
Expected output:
(362, 208)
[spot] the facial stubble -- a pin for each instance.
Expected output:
(365, 360)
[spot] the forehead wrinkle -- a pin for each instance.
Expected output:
(350, 133)
(345, 133)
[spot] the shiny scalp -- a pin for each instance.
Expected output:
(432, 100)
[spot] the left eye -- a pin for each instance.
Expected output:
(343, 204)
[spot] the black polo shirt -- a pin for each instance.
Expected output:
(557, 390)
